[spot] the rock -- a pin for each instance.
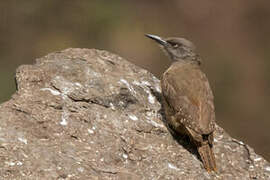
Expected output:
(90, 114)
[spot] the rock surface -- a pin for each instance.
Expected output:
(90, 114)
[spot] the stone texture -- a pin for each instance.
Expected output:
(90, 114)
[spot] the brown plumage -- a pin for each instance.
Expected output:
(187, 97)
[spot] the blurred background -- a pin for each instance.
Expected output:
(233, 38)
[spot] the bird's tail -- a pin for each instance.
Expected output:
(207, 156)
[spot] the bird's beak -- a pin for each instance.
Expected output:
(157, 39)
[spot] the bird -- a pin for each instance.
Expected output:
(187, 97)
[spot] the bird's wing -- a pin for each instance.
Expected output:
(187, 91)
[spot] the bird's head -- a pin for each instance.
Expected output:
(178, 49)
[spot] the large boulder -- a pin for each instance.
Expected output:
(90, 114)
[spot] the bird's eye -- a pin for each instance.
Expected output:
(174, 45)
